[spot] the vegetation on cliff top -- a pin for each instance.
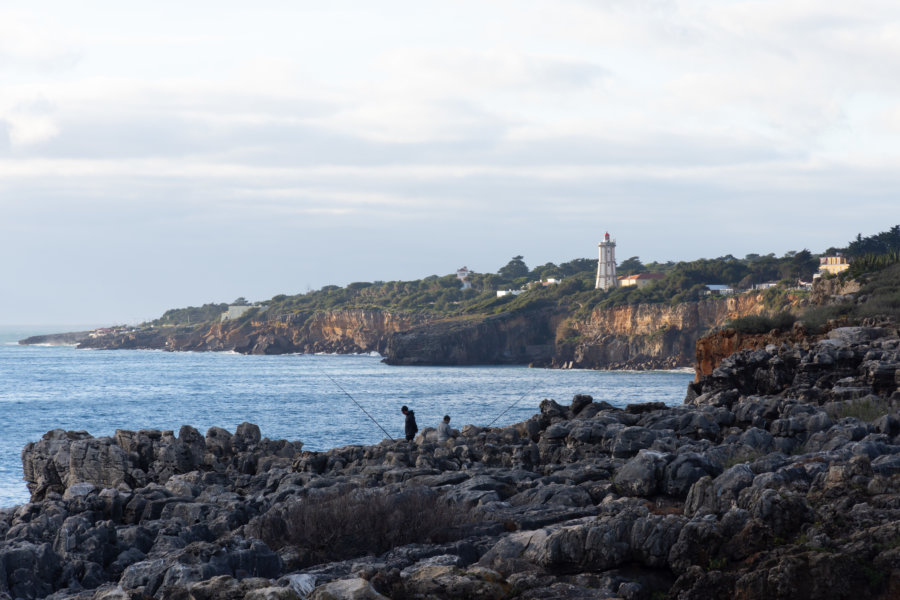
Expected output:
(879, 296)
(444, 296)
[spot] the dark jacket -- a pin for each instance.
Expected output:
(411, 427)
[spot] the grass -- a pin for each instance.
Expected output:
(865, 409)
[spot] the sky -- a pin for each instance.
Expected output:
(168, 154)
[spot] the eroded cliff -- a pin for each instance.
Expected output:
(522, 338)
(648, 335)
(643, 336)
(341, 331)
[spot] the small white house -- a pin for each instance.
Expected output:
(640, 280)
(716, 289)
(236, 310)
(765, 286)
(501, 293)
(462, 274)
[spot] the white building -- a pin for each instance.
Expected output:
(462, 274)
(606, 267)
(833, 264)
(640, 280)
(236, 310)
(501, 293)
(715, 289)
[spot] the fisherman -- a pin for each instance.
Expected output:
(444, 432)
(411, 427)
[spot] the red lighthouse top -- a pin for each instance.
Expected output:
(606, 237)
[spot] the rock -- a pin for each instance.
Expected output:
(580, 402)
(682, 472)
(346, 589)
(642, 475)
(454, 583)
(630, 440)
(717, 495)
(856, 335)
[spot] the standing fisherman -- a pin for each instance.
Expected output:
(410, 426)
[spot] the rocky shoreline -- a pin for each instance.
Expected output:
(779, 477)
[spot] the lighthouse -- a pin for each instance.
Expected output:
(606, 268)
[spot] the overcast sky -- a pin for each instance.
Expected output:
(165, 154)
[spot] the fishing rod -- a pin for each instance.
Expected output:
(531, 389)
(346, 393)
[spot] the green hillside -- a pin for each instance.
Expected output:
(443, 296)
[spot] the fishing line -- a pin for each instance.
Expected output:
(346, 393)
(514, 403)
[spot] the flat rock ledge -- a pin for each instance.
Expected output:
(779, 478)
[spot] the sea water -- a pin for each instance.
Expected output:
(321, 400)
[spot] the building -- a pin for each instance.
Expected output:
(236, 310)
(833, 264)
(462, 274)
(501, 293)
(765, 286)
(718, 290)
(606, 267)
(639, 280)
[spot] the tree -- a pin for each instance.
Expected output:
(880, 243)
(514, 269)
(546, 271)
(804, 264)
(630, 266)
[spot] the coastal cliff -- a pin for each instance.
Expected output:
(58, 339)
(640, 336)
(777, 479)
(651, 335)
(349, 331)
(502, 339)
(712, 349)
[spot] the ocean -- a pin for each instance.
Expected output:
(317, 399)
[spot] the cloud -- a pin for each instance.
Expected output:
(392, 138)
(27, 45)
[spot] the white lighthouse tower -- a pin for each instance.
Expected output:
(606, 268)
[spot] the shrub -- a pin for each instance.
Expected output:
(814, 318)
(761, 323)
(865, 409)
(339, 526)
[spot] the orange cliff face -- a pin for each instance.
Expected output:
(653, 335)
(713, 348)
(339, 331)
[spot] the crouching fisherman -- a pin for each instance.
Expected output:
(444, 432)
